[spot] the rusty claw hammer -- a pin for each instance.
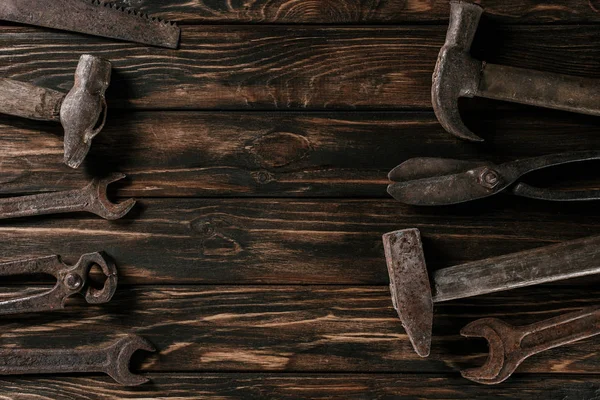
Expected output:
(82, 111)
(457, 74)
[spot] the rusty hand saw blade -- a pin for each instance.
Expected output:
(93, 17)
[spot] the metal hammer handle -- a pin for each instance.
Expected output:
(29, 101)
(532, 267)
(540, 89)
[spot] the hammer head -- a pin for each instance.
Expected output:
(409, 286)
(83, 111)
(457, 74)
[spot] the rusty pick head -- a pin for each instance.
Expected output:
(409, 286)
(120, 357)
(457, 74)
(83, 111)
(99, 203)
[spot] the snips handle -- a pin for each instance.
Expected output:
(537, 163)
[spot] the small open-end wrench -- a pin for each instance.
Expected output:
(92, 198)
(510, 345)
(112, 359)
(70, 280)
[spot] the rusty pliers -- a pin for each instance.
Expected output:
(440, 181)
(70, 280)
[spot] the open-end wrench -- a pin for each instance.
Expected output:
(70, 280)
(92, 198)
(510, 345)
(112, 359)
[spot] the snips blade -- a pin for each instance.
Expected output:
(440, 181)
(93, 17)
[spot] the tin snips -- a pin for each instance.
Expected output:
(70, 280)
(441, 181)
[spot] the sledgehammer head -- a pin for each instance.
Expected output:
(457, 74)
(83, 111)
(409, 286)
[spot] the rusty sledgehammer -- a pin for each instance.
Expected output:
(413, 295)
(82, 111)
(457, 74)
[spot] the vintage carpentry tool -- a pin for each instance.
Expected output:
(112, 360)
(93, 17)
(413, 296)
(457, 74)
(91, 198)
(70, 280)
(510, 345)
(82, 111)
(441, 181)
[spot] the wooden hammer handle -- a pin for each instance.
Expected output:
(29, 101)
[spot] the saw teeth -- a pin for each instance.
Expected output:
(132, 11)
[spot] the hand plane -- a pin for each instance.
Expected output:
(92, 17)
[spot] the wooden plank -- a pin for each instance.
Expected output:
(363, 11)
(302, 386)
(345, 154)
(317, 329)
(292, 241)
(288, 67)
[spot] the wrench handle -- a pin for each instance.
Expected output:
(43, 361)
(44, 203)
(560, 330)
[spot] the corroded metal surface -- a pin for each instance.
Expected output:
(405, 258)
(70, 280)
(82, 112)
(112, 359)
(457, 74)
(413, 293)
(93, 17)
(440, 181)
(509, 345)
(92, 198)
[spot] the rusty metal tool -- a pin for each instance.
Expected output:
(510, 345)
(413, 295)
(70, 280)
(457, 74)
(93, 17)
(112, 359)
(82, 111)
(91, 198)
(441, 181)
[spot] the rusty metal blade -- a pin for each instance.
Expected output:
(92, 17)
(428, 167)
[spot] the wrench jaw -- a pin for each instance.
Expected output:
(496, 369)
(101, 205)
(120, 357)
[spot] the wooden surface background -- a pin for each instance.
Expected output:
(258, 152)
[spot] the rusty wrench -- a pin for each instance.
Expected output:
(92, 198)
(510, 345)
(70, 280)
(112, 359)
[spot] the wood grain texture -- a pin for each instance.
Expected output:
(292, 241)
(332, 154)
(320, 329)
(228, 386)
(285, 67)
(360, 11)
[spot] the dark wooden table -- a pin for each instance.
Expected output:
(259, 153)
